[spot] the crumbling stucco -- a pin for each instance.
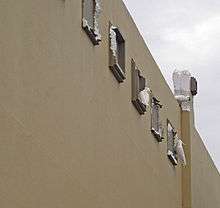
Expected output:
(85, 24)
(180, 151)
(144, 96)
(113, 42)
(96, 18)
(94, 28)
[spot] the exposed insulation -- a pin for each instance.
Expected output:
(144, 96)
(92, 26)
(185, 106)
(182, 98)
(96, 17)
(180, 151)
(85, 24)
(181, 81)
(113, 42)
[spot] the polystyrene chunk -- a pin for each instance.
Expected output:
(96, 17)
(145, 96)
(180, 152)
(113, 42)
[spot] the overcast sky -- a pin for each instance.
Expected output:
(185, 35)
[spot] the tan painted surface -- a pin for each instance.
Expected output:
(201, 179)
(69, 135)
(205, 177)
(186, 124)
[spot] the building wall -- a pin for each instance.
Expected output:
(200, 178)
(205, 176)
(69, 135)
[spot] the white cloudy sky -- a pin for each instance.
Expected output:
(186, 35)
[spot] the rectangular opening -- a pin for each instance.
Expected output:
(117, 53)
(156, 125)
(90, 20)
(139, 95)
(89, 11)
(120, 50)
(171, 153)
(155, 117)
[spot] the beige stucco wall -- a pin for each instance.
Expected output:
(69, 135)
(205, 176)
(200, 178)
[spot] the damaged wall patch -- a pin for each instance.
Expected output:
(90, 19)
